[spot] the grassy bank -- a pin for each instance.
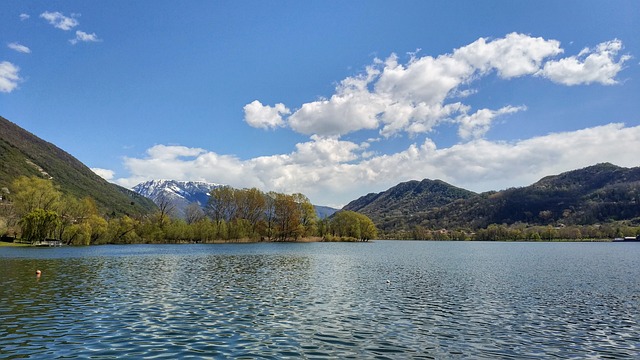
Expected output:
(12, 244)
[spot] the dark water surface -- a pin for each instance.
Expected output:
(380, 300)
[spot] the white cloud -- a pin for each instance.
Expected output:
(512, 56)
(415, 97)
(478, 123)
(423, 80)
(597, 65)
(58, 20)
(104, 173)
(19, 48)
(352, 108)
(334, 172)
(82, 36)
(412, 98)
(182, 163)
(326, 151)
(9, 77)
(24, 17)
(164, 152)
(264, 116)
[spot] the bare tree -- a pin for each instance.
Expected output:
(193, 213)
(166, 209)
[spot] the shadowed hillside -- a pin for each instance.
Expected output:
(22, 153)
(595, 194)
(402, 204)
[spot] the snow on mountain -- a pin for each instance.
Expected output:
(183, 193)
(179, 193)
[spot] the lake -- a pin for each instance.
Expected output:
(377, 300)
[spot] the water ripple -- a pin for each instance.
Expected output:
(384, 300)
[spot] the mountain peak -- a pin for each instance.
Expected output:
(180, 193)
(183, 193)
(408, 198)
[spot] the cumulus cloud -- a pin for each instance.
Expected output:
(104, 173)
(416, 97)
(333, 172)
(478, 123)
(326, 151)
(598, 65)
(24, 17)
(182, 163)
(512, 56)
(59, 21)
(19, 48)
(413, 98)
(352, 108)
(82, 36)
(164, 152)
(9, 77)
(264, 116)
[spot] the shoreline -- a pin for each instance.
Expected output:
(319, 239)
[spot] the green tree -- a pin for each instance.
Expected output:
(39, 224)
(122, 230)
(67, 209)
(270, 214)
(308, 216)
(30, 193)
(287, 217)
(251, 205)
(350, 224)
(98, 228)
(221, 206)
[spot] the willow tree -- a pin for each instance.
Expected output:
(39, 224)
(30, 193)
(35, 201)
(351, 224)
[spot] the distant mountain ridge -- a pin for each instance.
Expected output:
(595, 194)
(22, 153)
(407, 199)
(180, 193)
(183, 193)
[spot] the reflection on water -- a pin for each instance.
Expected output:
(378, 300)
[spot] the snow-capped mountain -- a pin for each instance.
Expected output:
(179, 193)
(183, 193)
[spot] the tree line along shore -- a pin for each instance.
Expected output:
(33, 210)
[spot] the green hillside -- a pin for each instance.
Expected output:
(404, 204)
(22, 153)
(597, 194)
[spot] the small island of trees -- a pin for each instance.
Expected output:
(34, 210)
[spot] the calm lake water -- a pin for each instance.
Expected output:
(378, 300)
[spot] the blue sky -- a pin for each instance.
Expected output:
(333, 99)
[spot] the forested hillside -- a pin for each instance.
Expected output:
(599, 194)
(402, 204)
(22, 153)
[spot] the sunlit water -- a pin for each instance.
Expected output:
(375, 300)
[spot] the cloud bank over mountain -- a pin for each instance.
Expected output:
(414, 99)
(333, 172)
